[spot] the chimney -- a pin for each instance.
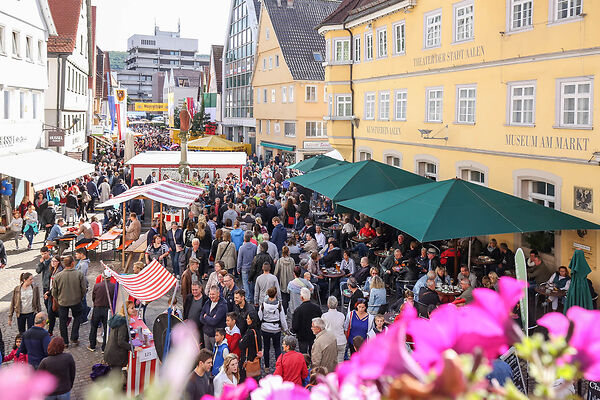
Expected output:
(290, 3)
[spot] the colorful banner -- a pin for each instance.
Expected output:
(118, 106)
(521, 272)
(112, 111)
(152, 107)
(190, 106)
(171, 108)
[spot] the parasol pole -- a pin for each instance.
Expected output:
(169, 314)
(161, 219)
(123, 240)
(469, 258)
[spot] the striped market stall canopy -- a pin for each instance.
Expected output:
(167, 192)
(152, 283)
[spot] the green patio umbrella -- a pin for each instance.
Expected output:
(350, 180)
(456, 208)
(315, 163)
(579, 291)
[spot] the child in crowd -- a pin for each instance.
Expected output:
(221, 350)
(313, 379)
(308, 362)
(357, 342)
(22, 358)
(232, 334)
(174, 310)
(378, 326)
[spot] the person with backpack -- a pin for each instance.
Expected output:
(273, 322)
(189, 233)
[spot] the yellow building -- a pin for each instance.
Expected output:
(500, 93)
(288, 79)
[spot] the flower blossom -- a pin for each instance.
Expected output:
(272, 387)
(585, 338)
(21, 382)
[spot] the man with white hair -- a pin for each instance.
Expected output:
(272, 251)
(324, 349)
(334, 323)
(302, 321)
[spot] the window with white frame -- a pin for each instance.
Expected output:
(265, 98)
(342, 50)
(16, 44)
(567, 8)
(473, 176)
(521, 103)
(433, 29)
(343, 105)
(575, 109)
(257, 96)
(368, 46)
(34, 105)
(541, 192)
(273, 96)
(276, 127)
(330, 105)
(29, 48)
(277, 60)
(2, 45)
(521, 14)
(6, 104)
(428, 170)
(381, 43)
(284, 94)
(364, 155)
(264, 64)
(434, 104)
(465, 104)
(393, 161)
(291, 93)
(22, 104)
(267, 33)
(289, 129)
(268, 123)
(400, 37)
(384, 106)
(316, 129)
(260, 125)
(463, 21)
(357, 49)
(324, 94)
(369, 105)
(400, 105)
(328, 50)
(311, 94)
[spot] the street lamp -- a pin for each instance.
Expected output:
(184, 128)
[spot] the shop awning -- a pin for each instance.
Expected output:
(278, 146)
(152, 283)
(168, 192)
(315, 163)
(43, 168)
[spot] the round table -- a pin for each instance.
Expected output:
(330, 276)
(357, 240)
(447, 296)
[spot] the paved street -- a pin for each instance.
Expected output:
(24, 260)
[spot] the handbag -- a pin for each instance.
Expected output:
(54, 304)
(291, 220)
(349, 325)
(252, 367)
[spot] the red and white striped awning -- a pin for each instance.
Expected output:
(168, 192)
(152, 283)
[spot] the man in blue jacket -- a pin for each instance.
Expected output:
(35, 341)
(175, 243)
(92, 189)
(213, 316)
(279, 235)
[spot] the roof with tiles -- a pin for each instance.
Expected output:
(65, 14)
(295, 27)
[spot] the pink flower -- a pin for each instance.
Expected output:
(21, 382)
(351, 388)
(238, 392)
(585, 338)
(272, 387)
(181, 358)
(485, 324)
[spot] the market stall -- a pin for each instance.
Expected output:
(166, 164)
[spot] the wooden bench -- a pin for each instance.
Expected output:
(127, 243)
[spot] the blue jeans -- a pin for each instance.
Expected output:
(175, 262)
(29, 234)
(269, 338)
(64, 396)
(248, 287)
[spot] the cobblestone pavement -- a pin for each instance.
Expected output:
(24, 260)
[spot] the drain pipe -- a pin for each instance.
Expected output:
(351, 91)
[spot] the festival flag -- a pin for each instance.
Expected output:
(190, 106)
(112, 111)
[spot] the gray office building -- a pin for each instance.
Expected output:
(149, 54)
(238, 62)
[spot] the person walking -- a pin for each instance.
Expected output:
(284, 271)
(334, 323)
(324, 350)
(228, 375)
(189, 276)
(117, 350)
(62, 366)
(35, 340)
(102, 295)
(245, 257)
(291, 365)
(199, 383)
(226, 252)
(25, 302)
(176, 245)
(273, 323)
(213, 316)
(31, 225)
(3, 256)
(263, 283)
(294, 288)
(302, 321)
(250, 345)
(68, 289)
(192, 305)
(358, 323)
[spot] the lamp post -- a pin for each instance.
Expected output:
(184, 127)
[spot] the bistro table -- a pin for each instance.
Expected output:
(325, 222)
(332, 273)
(110, 236)
(479, 264)
(360, 239)
(389, 317)
(447, 294)
(546, 291)
(383, 254)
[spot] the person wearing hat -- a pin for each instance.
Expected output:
(432, 261)
(190, 275)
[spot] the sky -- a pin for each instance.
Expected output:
(117, 20)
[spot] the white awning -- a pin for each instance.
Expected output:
(335, 155)
(212, 158)
(43, 168)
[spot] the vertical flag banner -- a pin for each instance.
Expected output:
(112, 111)
(190, 106)
(121, 98)
(171, 108)
(521, 270)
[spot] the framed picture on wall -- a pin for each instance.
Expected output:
(583, 199)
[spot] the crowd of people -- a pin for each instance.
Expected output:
(255, 270)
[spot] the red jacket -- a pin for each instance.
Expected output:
(291, 367)
(233, 340)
